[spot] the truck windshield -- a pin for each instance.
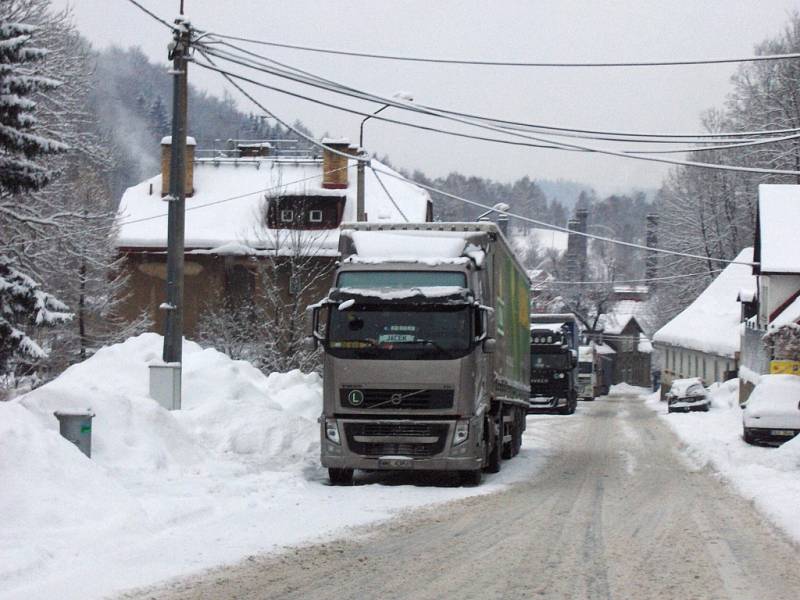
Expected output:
(400, 279)
(419, 332)
(549, 361)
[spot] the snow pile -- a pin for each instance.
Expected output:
(167, 493)
(769, 477)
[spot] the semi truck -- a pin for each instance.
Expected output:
(424, 339)
(554, 360)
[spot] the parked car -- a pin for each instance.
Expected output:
(687, 395)
(772, 413)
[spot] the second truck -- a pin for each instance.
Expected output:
(554, 360)
(425, 339)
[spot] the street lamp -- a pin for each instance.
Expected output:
(360, 214)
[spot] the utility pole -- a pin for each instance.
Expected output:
(165, 379)
(360, 216)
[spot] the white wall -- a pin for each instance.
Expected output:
(774, 290)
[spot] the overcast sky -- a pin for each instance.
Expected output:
(663, 99)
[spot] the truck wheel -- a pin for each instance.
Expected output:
(508, 447)
(341, 476)
(519, 423)
(470, 478)
(493, 461)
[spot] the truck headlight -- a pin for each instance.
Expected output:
(461, 432)
(558, 376)
(332, 431)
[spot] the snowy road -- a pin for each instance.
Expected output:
(615, 513)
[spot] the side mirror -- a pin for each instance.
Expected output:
(489, 345)
(487, 326)
(312, 324)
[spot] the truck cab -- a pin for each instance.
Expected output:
(554, 359)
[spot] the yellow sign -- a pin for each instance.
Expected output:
(784, 367)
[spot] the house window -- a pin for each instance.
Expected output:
(287, 216)
(315, 216)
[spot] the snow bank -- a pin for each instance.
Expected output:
(167, 493)
(769, 477)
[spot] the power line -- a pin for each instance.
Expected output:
(337, 88)
(151, 14)
(620, 281)
(508, 63)
(563, 229)
(707, 137)
(548, 144)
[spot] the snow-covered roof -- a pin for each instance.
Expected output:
(747, 294)
(778, 216)
(604, 349)
(711, 323)
(229, 203)
(644, 346)
(623, 312)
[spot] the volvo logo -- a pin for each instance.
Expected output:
(355, 397)
(396, 399)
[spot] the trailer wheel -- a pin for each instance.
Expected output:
(508, 447)
(494, 460)
(519, 426)
(470, 478)
(341, 476)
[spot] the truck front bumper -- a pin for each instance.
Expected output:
(546, 403)
(401, 444)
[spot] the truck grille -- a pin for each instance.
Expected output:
(548, 387)
(388, 399)
(404, 439)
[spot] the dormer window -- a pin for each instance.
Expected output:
(305, 212)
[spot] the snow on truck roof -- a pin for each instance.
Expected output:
(229, 201)
(711, 323)
(425, 243)
(778, 245)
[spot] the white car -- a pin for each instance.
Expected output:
(687, 395)
(772, 413)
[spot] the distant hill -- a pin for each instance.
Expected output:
(565, 191)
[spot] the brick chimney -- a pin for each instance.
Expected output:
(651, 240)
(166, 148)
(581, 243)
(334, 166)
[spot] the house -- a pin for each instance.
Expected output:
(623, 330)
(243, 206)
(703, 340)
(776, 271)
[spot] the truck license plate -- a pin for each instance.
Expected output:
(782, 432)
(395, 463)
